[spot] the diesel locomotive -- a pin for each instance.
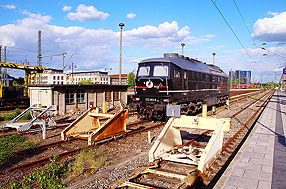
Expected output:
(177, 80)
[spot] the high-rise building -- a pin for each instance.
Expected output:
(243, 77)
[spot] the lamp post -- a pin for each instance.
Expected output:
(120, 64)
(183, 45)
(214, 58)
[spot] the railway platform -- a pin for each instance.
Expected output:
(261, 161)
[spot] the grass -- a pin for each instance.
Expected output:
(55, 175)
(48, 177)
(13, 143)
(15, 114)
(89, 159)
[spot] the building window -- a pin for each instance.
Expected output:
(80, 96)
(69, 96)
(107, 96)
(58, 77)
(62, 77)
(116, 96)
(54, 77)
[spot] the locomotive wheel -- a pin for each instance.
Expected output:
(159, 116)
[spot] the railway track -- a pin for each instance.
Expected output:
(168, 174)
(235, 97)
(130, 131)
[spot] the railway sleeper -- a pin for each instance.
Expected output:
(168, 153)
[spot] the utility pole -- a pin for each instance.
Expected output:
(4, 74)
(39, 75)
(261, 81)
(72, 73)
(120, 64)
(5, 53)
(231, 78)
(39, 49)
(0, 53)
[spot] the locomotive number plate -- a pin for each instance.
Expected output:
(150, 99)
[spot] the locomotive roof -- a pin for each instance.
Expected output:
(186, 63)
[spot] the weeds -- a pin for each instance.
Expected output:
(89, 159)
(48, 177)
(12, 143)
(15, 114)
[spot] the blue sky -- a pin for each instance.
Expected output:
(88, 31)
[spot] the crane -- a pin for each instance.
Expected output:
(28, 69)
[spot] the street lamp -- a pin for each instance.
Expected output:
(120, 64)
(214, 58)
(183, 44)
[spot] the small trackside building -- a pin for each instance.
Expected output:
(70, 98)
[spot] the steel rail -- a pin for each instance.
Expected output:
(234, 137)
(72, 152)
(209, 131)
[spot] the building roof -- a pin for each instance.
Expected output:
(104, 86)
(117, 76)
(101, 72)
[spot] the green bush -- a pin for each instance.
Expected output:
(48, 177)
(8, 144)
(15, 114)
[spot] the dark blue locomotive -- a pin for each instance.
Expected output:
(178, 80)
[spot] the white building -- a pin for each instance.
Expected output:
(50, 77)
(97, 77)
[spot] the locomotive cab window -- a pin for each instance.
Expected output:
(144, 71)
(177, 73)
(160, 70)
(185, 75)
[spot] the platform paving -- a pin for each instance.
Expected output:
(261, 161)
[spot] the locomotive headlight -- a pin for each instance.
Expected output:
(136, 98)
(167, 100)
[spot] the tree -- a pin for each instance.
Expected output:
(130, 80)
(85, 82)
(18, 82)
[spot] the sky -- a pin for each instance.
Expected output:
(88, 31)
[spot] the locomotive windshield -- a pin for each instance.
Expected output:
(153, 70)
(144, 71)
(160, 70)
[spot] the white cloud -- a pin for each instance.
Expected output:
(272, 13)
(271, 29)
(67, 8)
(131, 15)
(209, 36)
(167, 30)
(92, 49)
(87, 13)
(216, 48)
(9, 6)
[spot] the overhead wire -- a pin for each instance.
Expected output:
(244, 22)
(235, 34)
